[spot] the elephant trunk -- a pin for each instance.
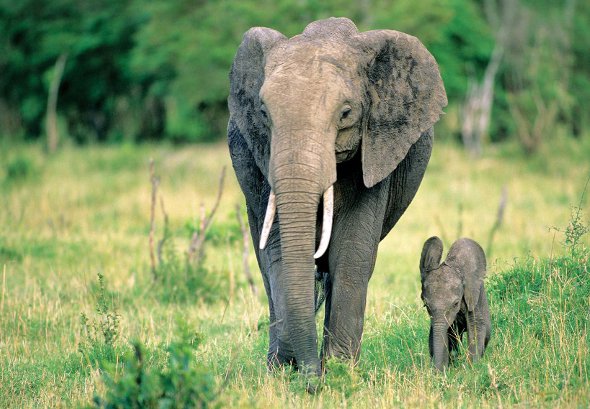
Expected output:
(327, 219)
(440, 345)
(299, 176)
(297, 219)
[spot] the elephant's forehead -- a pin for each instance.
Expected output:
(312, 73)
(441, 280)
(310, 59)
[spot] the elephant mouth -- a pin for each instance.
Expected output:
(328, 217)
(345, 155)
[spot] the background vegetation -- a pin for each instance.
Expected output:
(87, 316)
(156, 70)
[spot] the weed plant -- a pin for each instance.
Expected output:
(182, 383)
(19, 168)
(100, 331)
(179, 279)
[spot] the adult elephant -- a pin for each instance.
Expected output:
(334, 116)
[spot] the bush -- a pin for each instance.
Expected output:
(182, 383)
(540, 318)
(182, 275)
(101, 331)
(179, 280)
(19, 168)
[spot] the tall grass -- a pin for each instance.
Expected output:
(85, 212)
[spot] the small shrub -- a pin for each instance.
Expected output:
(575, 231)
(101, 331)
(179, 280)
(180, 276)
(182, 383)
(19, 168)
(518, 282)
(9, 253)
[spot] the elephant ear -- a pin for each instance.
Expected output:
(472, 289)
(431, 256)
(469, 259)
(246, 78)
(406, 96)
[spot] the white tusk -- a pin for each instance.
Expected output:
(268, 219)
(327, 222)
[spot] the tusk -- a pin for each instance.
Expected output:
(268, 219)
(327, 222)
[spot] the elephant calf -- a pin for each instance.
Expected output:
(454, 295)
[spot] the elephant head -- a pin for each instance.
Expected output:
(309, 102)
(449, 287)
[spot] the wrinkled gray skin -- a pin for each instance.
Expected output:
(455, 298)
(331, 106)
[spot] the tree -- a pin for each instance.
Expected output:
(154, 69)
(97, 38)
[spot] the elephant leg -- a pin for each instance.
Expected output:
(272, 359)
(478, 328)
(269, 261)
(472, 336)
(353, 251)
(477, 334)
(454, 339)
(484, 322)
(456, 334)
(264, 258)
(430, 342)
(345, 311)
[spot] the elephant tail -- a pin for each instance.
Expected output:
(321, 286)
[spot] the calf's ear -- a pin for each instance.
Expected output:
(431, 256)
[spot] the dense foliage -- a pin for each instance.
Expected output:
(182, 383)
(138, 69)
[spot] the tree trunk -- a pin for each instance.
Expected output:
(51, 114)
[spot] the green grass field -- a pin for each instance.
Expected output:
(66, 219)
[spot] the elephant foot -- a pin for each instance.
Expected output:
(312, 374)
(275, 361)
(473, 357)
(279, 355)
(313, 377)
(346, 353)
(314, 384)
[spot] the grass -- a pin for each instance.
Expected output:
(85, 211)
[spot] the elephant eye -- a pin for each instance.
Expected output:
(263, 111)
(345, 112)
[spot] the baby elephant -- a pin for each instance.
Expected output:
(455, 298)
